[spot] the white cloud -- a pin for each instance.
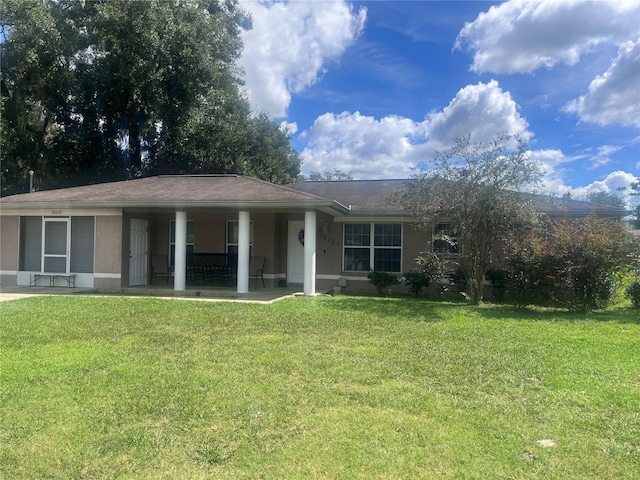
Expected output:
(481, 111)
(290, 45)
(289, 127)
(364, 146)
(553, 163)
(391, 146)
(614, 97)
(603, 155)
(611, 184)
(520, 36)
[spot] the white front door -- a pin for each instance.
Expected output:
(138, 252)
(295, 257)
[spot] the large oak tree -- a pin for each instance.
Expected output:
(102, 90)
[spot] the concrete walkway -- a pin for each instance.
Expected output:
(264, 296)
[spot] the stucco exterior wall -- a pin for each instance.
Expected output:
(9, 240)
(415, 242)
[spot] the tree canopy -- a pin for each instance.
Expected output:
(605, 198)
(472, 189)
(100, 90)
(327, 176)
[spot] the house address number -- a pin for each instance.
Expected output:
(56, 212)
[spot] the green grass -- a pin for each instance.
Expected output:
(343, 387)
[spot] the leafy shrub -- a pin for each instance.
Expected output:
(459, 280)
(382, 280)
(417, 280)
(429, 267)
(498, 278)
(633, 293)
(571, 263)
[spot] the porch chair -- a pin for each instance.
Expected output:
(256, 264)
(160, 267)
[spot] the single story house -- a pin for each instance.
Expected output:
(315, 234)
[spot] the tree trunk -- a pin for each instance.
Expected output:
(476, 288)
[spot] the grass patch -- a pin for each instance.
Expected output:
(344, 387)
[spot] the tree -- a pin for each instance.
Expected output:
(471, 188)
(102, 90)
(635, 187)
(327, 176)
(605, 198)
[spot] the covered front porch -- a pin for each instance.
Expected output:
(223, 249)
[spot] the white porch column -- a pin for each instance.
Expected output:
(244, 228)
(310, 253)
(180, 261)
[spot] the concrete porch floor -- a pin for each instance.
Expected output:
(204, 293)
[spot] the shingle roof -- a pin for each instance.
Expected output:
(191, 190)
(356, 197)
(375, 197)
(363, 196)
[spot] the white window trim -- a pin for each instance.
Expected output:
(172, 227)
(372, 247)
(229, 244)
(66, 255)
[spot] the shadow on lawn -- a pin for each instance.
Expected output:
(430, 310)
(548, 314)
(419, 310)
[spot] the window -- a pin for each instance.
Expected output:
(30, 244)
(232, 242)
(57, 244)
(82, 241)
(191, 240)
(372, 246)
(445, 238)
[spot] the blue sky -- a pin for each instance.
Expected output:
(375, 88)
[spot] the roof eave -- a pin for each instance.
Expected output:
(325, 205)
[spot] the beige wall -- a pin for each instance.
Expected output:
(415, 242)
(9, 239)
(328, 246)
(108, 251)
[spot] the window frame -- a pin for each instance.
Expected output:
(67, 247)
(232, 258)
(372, 247)
(172, 240)
(453, 249)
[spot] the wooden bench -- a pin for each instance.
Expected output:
(70, 278)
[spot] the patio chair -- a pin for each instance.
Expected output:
(256, 264)
(160, 267)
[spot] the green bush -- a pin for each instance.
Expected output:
(498, 278)
(382, 280)
(570, 262)
(458, 279)
(417, 280)
(633, 293)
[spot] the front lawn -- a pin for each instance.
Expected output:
(344, 387)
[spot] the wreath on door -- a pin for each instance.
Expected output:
(301, 236)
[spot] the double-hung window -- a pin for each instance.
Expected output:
(232, 242)
(445, 238)
(372, 246)
(191, 240)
